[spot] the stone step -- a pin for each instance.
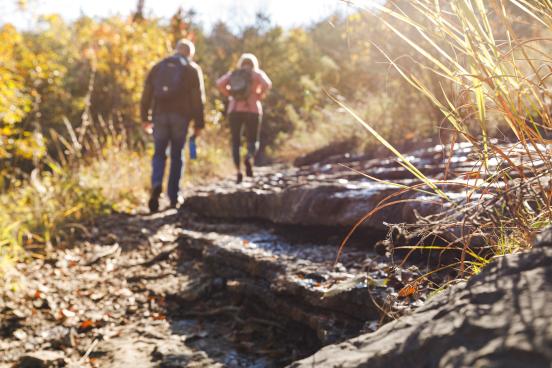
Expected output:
(335, 195)
(300, 282)
(305, 205)
(322, 194)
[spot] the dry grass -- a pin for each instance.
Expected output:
(52, 205)
(473, 47)
(122, 176)
(214, 159)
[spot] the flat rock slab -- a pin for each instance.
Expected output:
(329, 194)
(499, 318)
(121, 309)
(342, 191)
(301, 282)
(306, 205)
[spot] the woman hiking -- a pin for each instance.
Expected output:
(245, 87)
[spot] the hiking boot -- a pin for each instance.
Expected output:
(174, 204)
(248, 168)
(153, 203)
(239, 178)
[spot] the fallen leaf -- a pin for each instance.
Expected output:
(381, 283)
(408, 290)
(472, 175)
(86, 324)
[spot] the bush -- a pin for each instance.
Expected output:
(52, 206)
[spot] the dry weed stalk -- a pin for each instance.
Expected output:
(494, 75)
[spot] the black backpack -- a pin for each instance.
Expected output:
(240, 84)
(167, 82)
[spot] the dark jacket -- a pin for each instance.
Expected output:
(189, 101)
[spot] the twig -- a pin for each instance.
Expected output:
(380, 308)
(109, 252)
(89, 351)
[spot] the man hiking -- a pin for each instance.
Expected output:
(173, 95)
(245, 87)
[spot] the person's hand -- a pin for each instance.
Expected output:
(148, 127)
(197, 131)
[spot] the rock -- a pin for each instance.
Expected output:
(330, 194)
(167, 348)
(10, 323)
(370, 193)
(544, 239)
(42, 359)
(499, 318)
(307, 205)
(294, 282)
(20, 335)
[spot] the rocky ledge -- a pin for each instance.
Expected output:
(301, 282)
(499, 318)
(341, 190)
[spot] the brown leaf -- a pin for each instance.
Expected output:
(161, 301)
(472, 175)
(408, 290)
(86, 324)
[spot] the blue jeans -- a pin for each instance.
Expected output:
(169, 128)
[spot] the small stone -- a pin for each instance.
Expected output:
(40, 303)
(20, 335)
(67, 313)
(42, 359)
(544, 239)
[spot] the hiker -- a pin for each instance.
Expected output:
(245, 87)
(174, 95)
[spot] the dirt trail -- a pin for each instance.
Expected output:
(126, 296)
(79, 299)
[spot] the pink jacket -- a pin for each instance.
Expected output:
(260, 85)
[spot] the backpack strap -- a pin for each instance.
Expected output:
(183, 60)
